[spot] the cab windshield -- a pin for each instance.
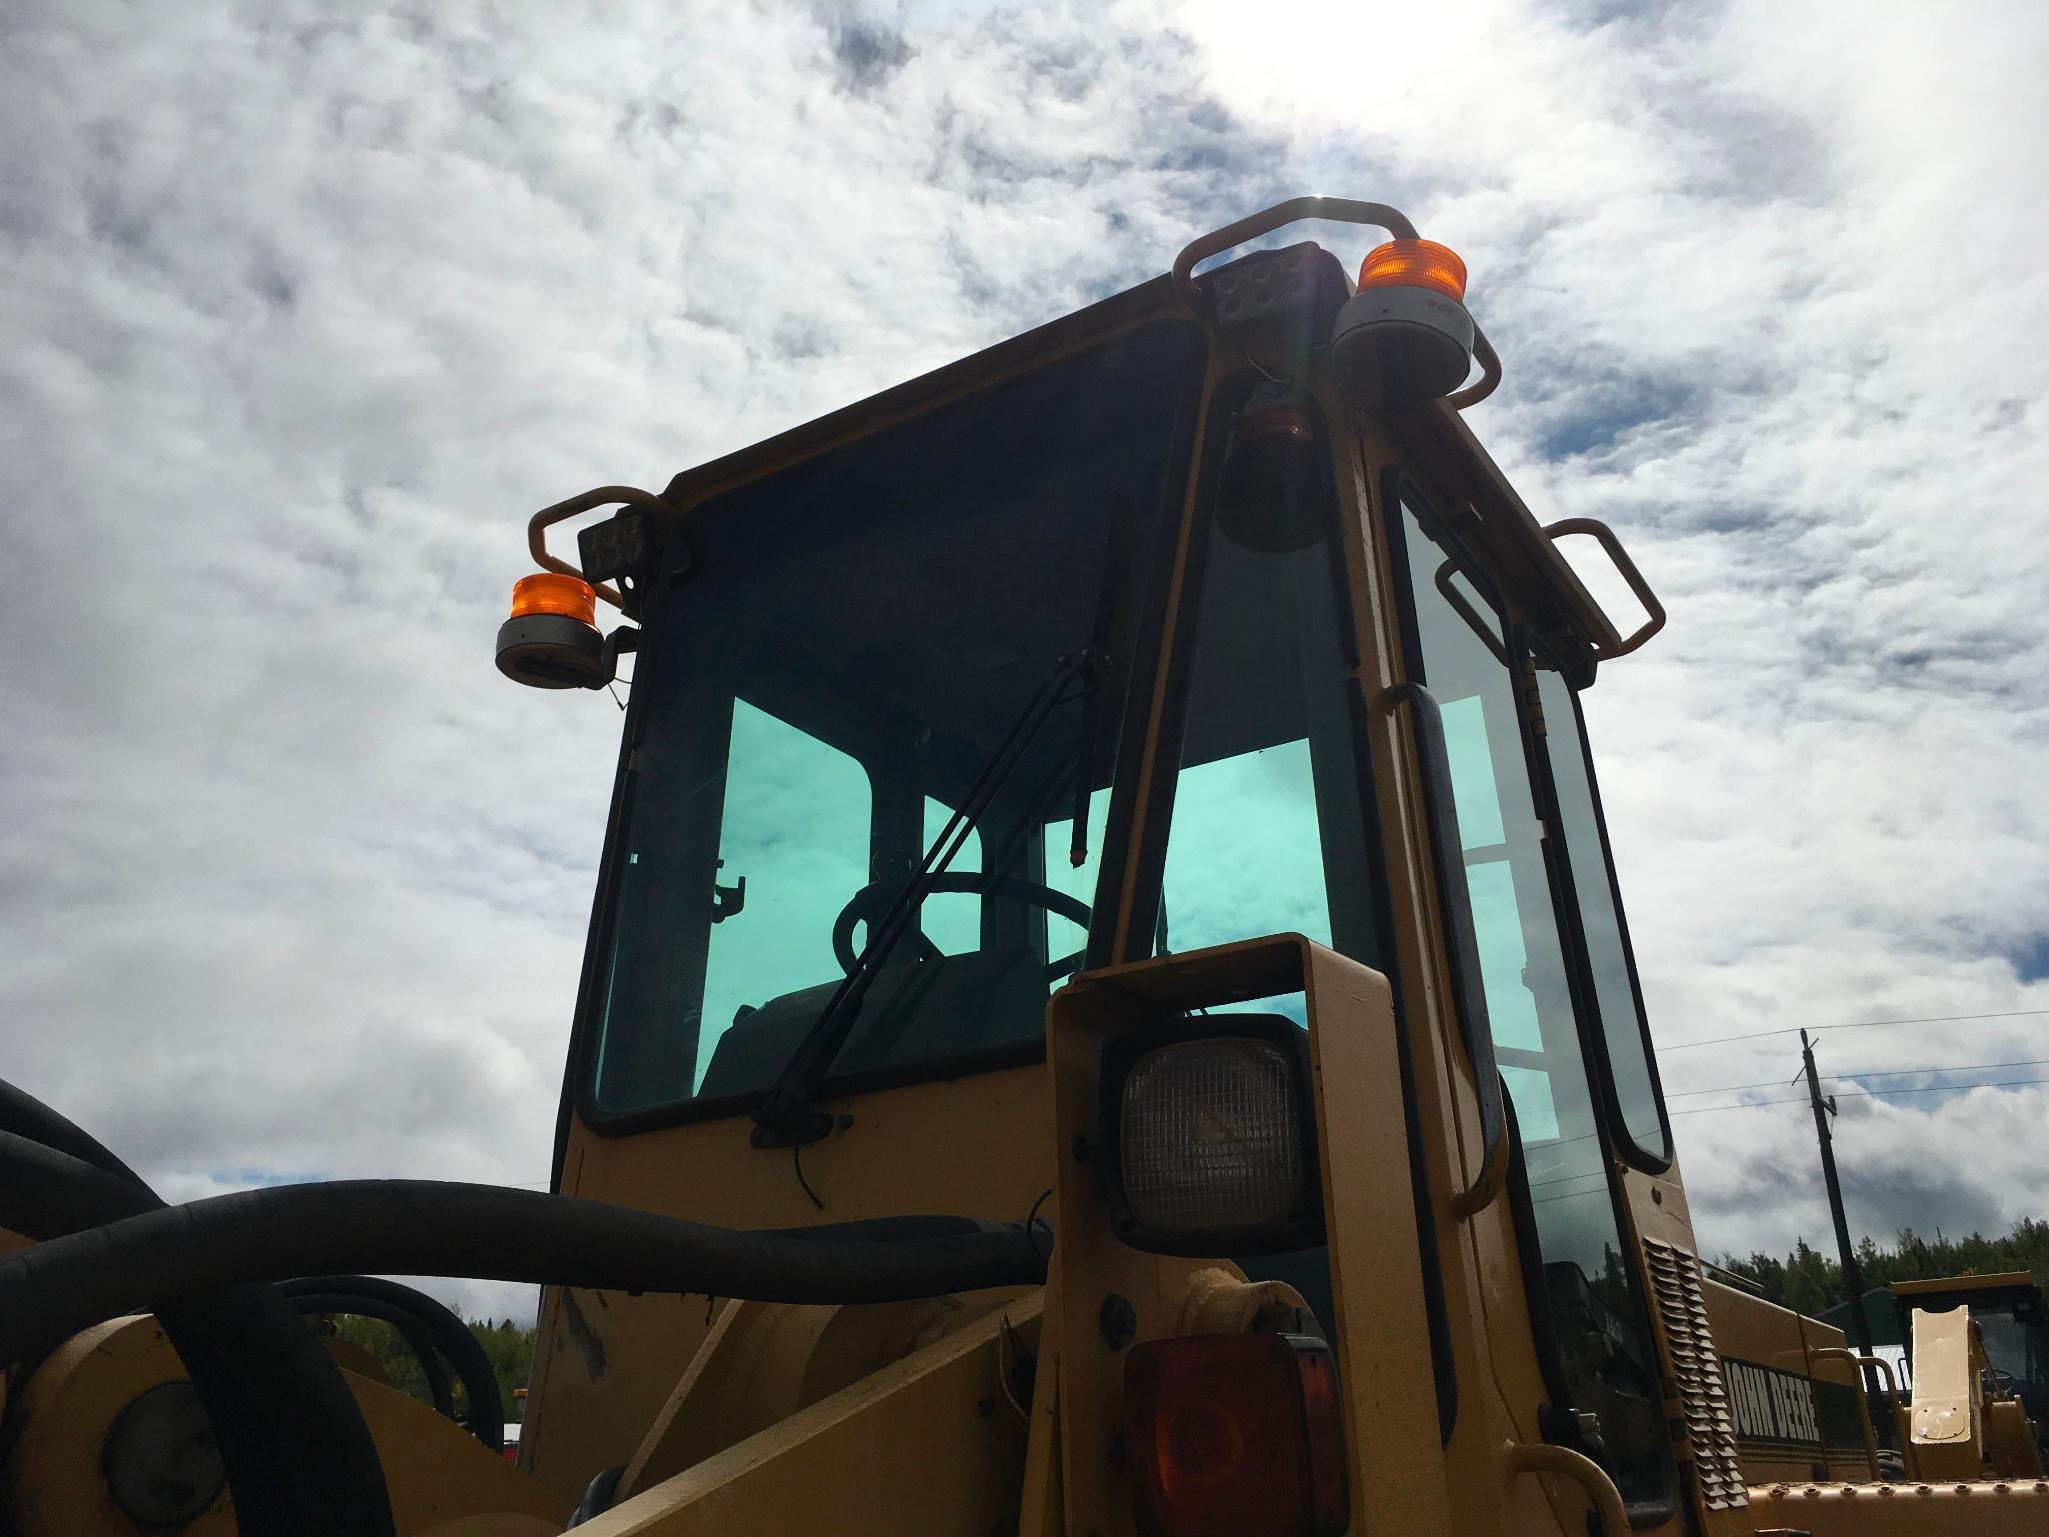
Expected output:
(851, 644)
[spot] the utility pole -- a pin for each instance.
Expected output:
(1853, 1280)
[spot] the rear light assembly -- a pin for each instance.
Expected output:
(1235, 1435)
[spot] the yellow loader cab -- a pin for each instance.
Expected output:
(1107, 1007)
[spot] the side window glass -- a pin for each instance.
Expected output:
(1244, 856)
(1267, 834)
(796, 825)
(1607, 942)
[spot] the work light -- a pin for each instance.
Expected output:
(1213, 1137)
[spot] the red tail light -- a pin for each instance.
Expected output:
(1235, 1435)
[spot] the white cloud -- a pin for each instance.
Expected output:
(305, 311)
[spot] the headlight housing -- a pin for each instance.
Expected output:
(1211, 1133)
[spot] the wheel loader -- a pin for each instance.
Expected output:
(1107, 1010)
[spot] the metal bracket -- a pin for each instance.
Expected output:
(728, 901)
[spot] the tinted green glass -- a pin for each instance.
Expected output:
(1600, 914)
(1267, 834)
(777, 777)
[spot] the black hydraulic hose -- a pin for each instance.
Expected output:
(434, 1329)
(424, 1227)
(47, 1193)
(22, 1114)
(299, 1458)
(890, 1229)
(409, 1328)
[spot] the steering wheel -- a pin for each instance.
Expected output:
(872, 900)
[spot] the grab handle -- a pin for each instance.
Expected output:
(1613, 545)
(601, 496)
(1522, 1457)
(1342, 210)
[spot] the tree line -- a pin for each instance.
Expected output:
(1808, 1280)
(509, 1346)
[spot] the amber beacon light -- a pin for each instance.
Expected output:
(552, 639)
(1405, 338)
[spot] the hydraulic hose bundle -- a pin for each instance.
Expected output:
(298, 1455)
(428, 1227)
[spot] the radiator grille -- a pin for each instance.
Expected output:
(1675, 1282)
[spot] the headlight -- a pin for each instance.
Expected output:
(1213, 1138)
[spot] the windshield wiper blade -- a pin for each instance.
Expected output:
(787, 1117)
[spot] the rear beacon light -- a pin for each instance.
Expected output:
(550, 592)
(1235, 1435)
(1415, 264)
(552, 639)
(1405, 338)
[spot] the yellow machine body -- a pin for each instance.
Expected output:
(1793, 1394)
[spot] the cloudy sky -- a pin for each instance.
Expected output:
(304, 307)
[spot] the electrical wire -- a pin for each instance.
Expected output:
(1909, 1072)
(1862, 1073)
(1935, 1088)
(1856, 1024)
(1764, 1104)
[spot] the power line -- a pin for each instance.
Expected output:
(1935, 1088)
(1909, 1072)
(1738, 1088)
(1857, 1024)
(1857, 1072)
(1764, 1104)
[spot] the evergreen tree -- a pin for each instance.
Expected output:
(508, 1346)
(1808, 1281)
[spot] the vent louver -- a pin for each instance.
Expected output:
(1682, 1310)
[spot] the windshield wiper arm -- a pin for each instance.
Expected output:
(788, 1118)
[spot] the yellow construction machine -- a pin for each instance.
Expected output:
(1107, 1010)
(1961, 1405)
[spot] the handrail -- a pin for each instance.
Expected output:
(600, 496)
(1527, 1457)
(1468, 988)
(1613, 545)
(1343, 210)
(1839, 1353)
